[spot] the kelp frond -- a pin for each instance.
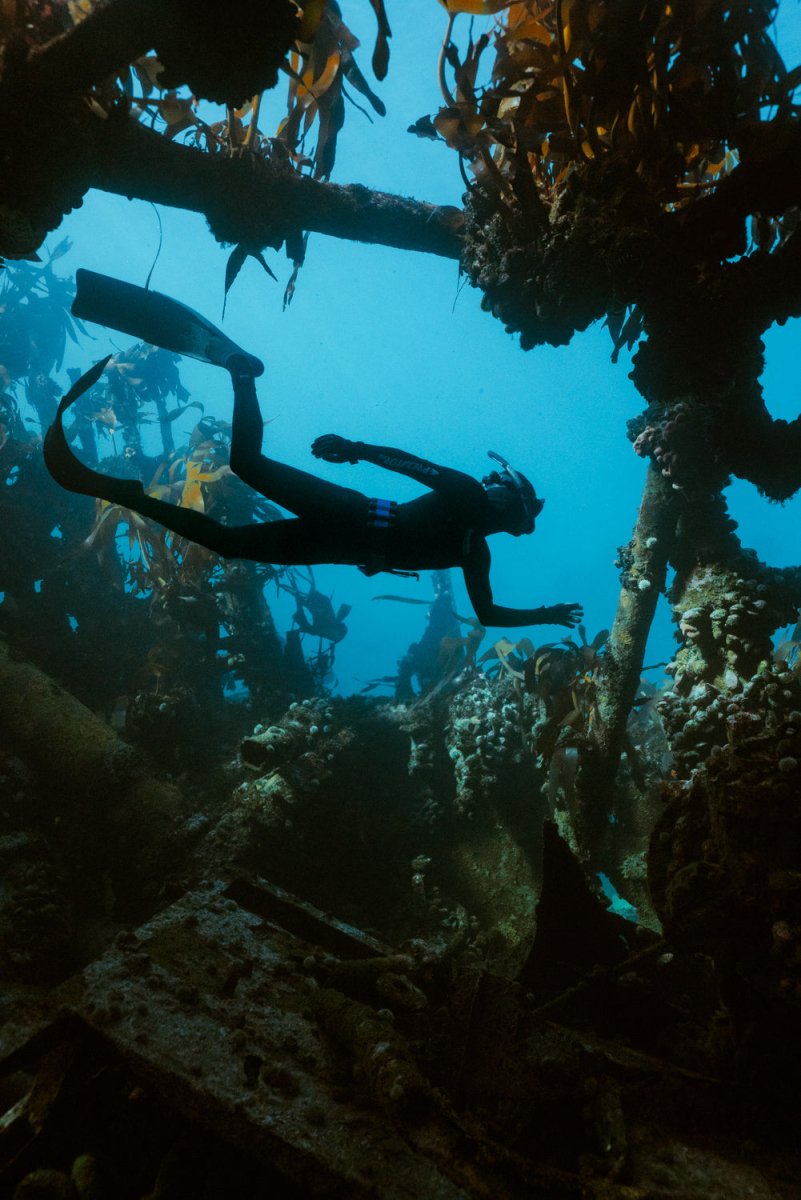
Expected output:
(675, 91)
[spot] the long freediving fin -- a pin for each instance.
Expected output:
(68, 470)
(155, 318)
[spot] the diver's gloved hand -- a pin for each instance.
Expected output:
(562, 614)
(335, 449)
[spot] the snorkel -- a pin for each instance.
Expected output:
(523, 490)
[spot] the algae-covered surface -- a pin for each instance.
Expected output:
(311, 884)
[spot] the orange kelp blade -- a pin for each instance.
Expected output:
(68, 470)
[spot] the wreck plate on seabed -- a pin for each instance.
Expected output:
(210, 1006)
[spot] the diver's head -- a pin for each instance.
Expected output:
(513, 497)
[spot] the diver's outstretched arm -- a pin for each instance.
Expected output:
(453, 485)
(476, 576)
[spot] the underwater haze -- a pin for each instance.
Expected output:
(392, 347)
(317, 883)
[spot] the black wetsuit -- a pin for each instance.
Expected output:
(332, 524)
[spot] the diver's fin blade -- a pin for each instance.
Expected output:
(68, 470)
(86, 381)
(155, 318)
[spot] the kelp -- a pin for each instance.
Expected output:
(32, 23)
(563, 675)
(508, 658)
(151, 552)
(673, 91)
(35, 305)
(319, 70)
(314, 611)
(10, 419)
(448, 659)
(315, 617)
(148, 562)
(124, 612)
(138, 377)
(647, 108)
(156, 558)
(321, 67)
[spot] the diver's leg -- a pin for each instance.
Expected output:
(282, 542)
(188, 523)
(302, 493)
(327, 539)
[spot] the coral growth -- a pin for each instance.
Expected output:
(548, 286)
(724, 862)
(486, 739)
(725, 622)
(37, 922)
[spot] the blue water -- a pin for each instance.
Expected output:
(383, 346)
(617, 904)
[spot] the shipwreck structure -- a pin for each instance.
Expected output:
(471, 1020)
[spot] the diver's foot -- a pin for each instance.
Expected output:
(129, 493)
(243, 366)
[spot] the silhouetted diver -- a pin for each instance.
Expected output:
(445, 527)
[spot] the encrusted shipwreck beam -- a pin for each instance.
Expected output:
(55, 147)
(767, 181)
(108, 797)
(759, 290)
(194, 45)
(773, 281)
(110, 36)
(766, 451)
(644, 572)
(249, 200)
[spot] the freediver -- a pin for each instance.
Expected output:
(445, 527)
